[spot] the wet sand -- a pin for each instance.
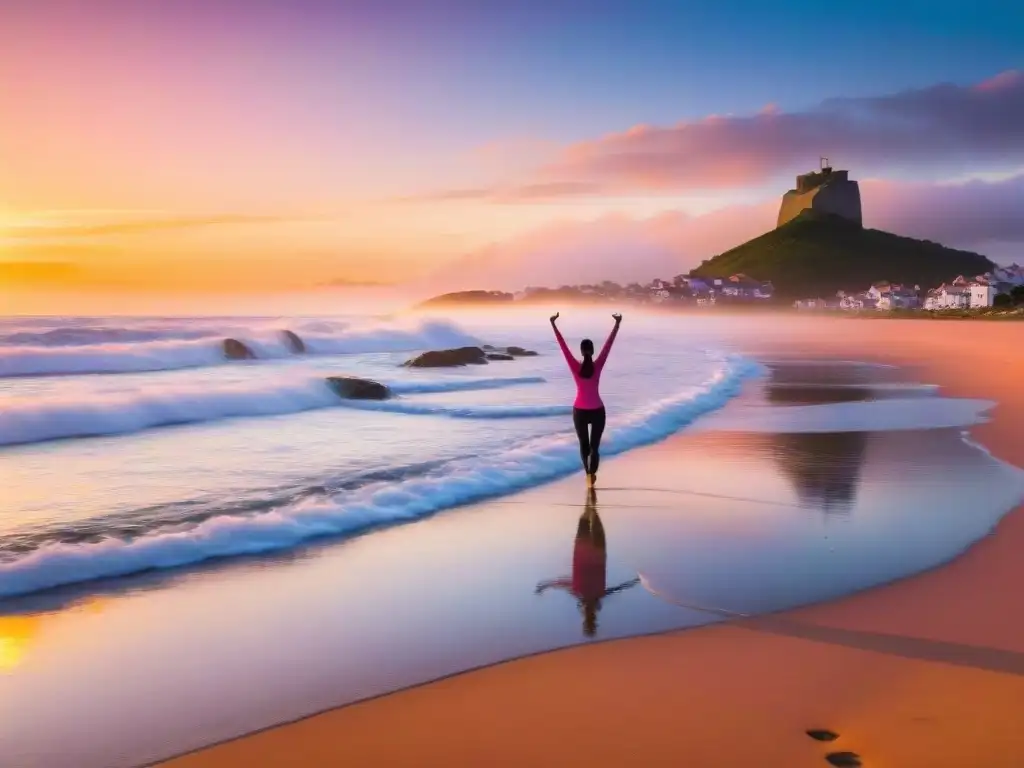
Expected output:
(927, 671)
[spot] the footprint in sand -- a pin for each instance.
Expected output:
(840, 759)
(822, 734)
(843, 759)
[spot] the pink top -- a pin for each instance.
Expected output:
(587, 395)
(588, 571)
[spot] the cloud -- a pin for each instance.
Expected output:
(136, 226)
(970, 215)
(446, 195)
(548, 190)
(509, 194)
(613, 247)
(944, 125)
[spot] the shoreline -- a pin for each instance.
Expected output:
(873, 623)
(736, 309)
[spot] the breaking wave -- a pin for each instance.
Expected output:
(25, 420)
(528, 463)
(131, 351)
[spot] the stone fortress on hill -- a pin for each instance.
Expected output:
(824, 191)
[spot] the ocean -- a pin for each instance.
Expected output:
(133, 444)
(192, 548)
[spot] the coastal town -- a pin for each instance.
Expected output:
(1001, 287)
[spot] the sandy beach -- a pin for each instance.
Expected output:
(927, 671)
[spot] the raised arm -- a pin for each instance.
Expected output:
(623, 586)
(569, 358)
(603, 355)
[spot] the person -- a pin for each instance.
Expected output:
(589, 568)
(588, 413)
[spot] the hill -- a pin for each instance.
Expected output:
(467, 297)
(816, 254)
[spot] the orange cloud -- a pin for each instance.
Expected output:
(133, 226)
(510, 194)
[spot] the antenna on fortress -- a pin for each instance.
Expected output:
(825, 167)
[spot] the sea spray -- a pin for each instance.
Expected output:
(266, 342)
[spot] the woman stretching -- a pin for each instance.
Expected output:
(588, 414)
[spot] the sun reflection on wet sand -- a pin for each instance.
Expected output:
(19, 633)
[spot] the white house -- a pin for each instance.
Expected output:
(875, 291)
(860, 301)
(981, 295)
(898, 300)
(888, 296)
(949, 297)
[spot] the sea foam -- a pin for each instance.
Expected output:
(520, 466)
(25, 420)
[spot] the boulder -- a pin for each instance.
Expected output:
(520, 352)
(354, 388)
(499, 356)
(294, 342)
(236, 350)
(449, 358)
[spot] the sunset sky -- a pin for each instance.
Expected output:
(255, 145)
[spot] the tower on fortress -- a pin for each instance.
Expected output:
(825, 191)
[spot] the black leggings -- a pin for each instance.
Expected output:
(590, 529)
(590, 440)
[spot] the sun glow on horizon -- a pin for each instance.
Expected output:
(247, 153)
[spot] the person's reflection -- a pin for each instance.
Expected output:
(589, 568)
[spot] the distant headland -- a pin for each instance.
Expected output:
(819, 256)
(487, 298)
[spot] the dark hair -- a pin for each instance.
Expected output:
(587, 367)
